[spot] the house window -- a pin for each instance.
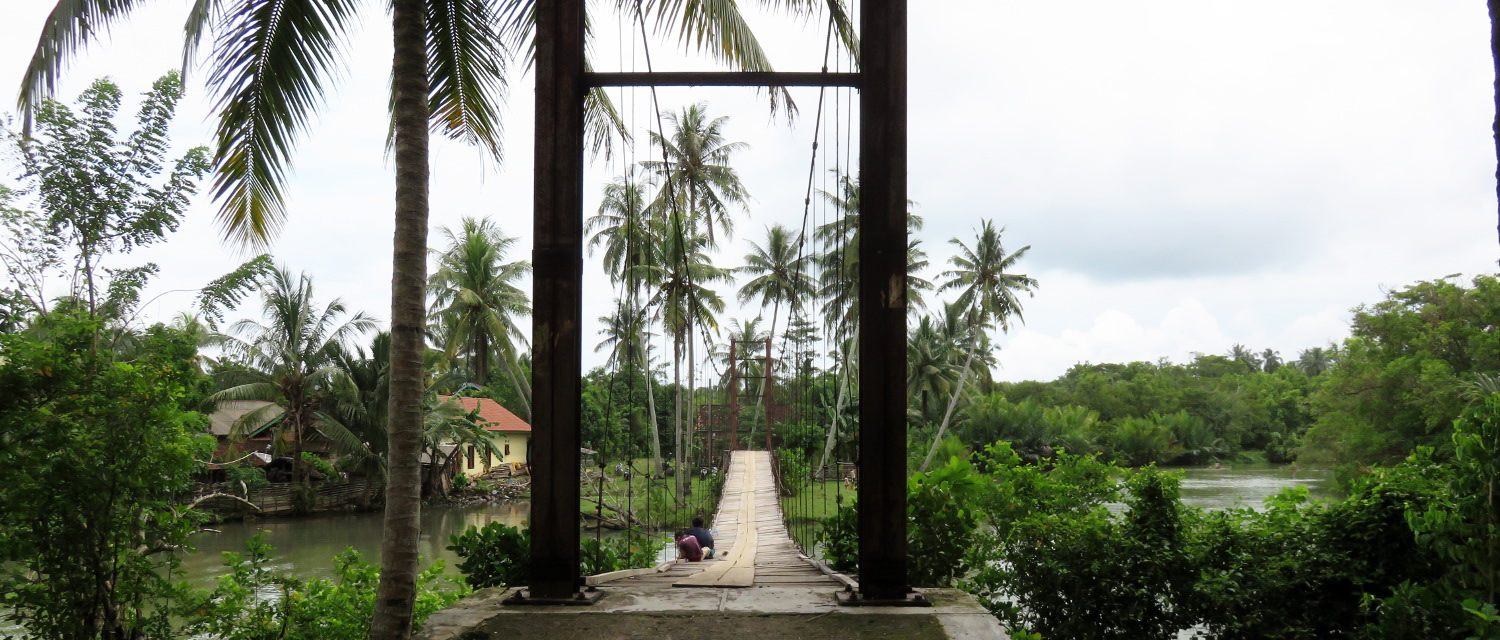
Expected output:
(471, 456)
(507, 448)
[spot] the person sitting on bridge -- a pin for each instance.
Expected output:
(705, 539)
(688, 547)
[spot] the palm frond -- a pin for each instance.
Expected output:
(466, 66)
(69, 28)
(274, 58)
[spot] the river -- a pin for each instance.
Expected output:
(306, 546)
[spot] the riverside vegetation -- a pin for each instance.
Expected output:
(103, 426)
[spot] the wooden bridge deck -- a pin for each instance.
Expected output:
(753, 548)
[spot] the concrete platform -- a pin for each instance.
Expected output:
(767, 613)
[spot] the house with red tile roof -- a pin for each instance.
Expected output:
(512, 437)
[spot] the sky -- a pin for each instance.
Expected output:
(1189, 174)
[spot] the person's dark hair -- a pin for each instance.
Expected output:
(697, 522)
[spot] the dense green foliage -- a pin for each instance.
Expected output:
(93, 455)
(499, 555)
(254, 602)
(1399, 379)
(1412, 552)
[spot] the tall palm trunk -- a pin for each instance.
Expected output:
(651, 410)
(398, 553)
(685, 434)
(677, 408)
(963, 376)
(515, 381)
(838, 410)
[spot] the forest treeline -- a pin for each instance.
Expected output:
(1395, 384)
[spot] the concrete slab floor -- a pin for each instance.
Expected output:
(765, 613)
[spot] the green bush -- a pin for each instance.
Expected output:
(942, 534)
(253, 602)
(244, 480)
(499, 555)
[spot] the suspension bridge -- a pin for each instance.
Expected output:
(752, 547)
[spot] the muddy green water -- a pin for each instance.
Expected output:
(306, 546)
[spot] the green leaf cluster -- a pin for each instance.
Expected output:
(253, 601)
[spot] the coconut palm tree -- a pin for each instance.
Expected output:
(288, 360)
(988, 297)
(839, 284)
(780, 271)
(1314, 361)
(628, 341)
(1270, 360)
(1244, 355)
(683, 299)
(623, 226)
(696, 176)
(360, 398)
(473, 290)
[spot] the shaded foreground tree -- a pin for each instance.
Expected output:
(94, 454)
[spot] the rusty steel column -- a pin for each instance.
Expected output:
(558, 280)
(882, 301)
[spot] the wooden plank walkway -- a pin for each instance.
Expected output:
(753, 546)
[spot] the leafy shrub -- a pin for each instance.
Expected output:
(244, 480)
(941, 534)
(795, 470)
(330, 474)
(253, 602)
(497, 555)
(604, 555)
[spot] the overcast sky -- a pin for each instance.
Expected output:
(1190, 174)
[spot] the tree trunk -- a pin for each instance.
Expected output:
(838, 411)
(677, 403)
(522, 394)
(651, 409)
(396, 593)
(685, 434)
(963, 377)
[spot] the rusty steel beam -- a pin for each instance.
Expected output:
(721, 79)
(558, 283)
(882, 302)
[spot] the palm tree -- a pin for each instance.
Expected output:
(1270, 360)
(1244, 355)
(683, 299)
(622, 227)
(448, 430)
(780, 272)
(839, 284)
(474, 292)
(360, 398)
(1314, 361)
(931, 368)
(288, 360)
(987, 296)
(272, 62)
(696, 176)
(626, 337)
